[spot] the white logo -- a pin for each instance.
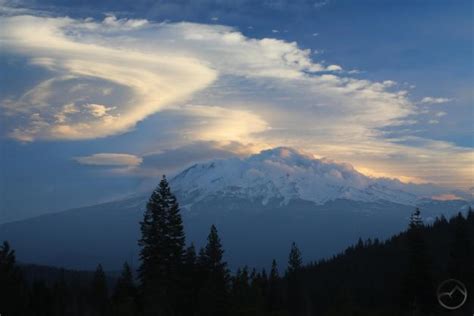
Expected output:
(452, 294)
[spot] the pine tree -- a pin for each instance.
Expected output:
(274, 295)
(419, 288)
(162, 253)
(461, 261)
(99, 292)
(240, 291)
(416, 221)
(295, 299)
(190, 257)
(214, 294)
(192, 282)
(13, 296)
(124, 296)
(294, 260)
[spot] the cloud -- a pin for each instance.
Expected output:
(98, 110)
(81, 51)
(123, 24)
(211, 123)
(172, 160)
(334, 68)
(110, 159)
(446, 197)
(67, 109)
(432, 100)
(215, 85)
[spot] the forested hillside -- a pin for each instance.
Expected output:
(398, 276)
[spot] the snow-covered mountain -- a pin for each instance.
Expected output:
(259, 204)
(284, 174)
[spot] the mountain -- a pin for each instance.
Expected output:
(284, 174)
(259, 204)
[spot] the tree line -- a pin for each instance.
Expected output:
(394, 277)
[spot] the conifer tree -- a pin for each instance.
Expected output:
(99, 292)
(214, 294)
(274, 296)
(295, 301)
(13, 296)
(162, 251)
(294, 260)
(418, 288)
(461, 261)
(190, 257)
(124, 296)
(191, 281)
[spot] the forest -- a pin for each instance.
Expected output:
(398, 276)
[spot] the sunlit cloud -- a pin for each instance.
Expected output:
(109, 159)
(211, 123)
(446, 197)
(104, 77)
(86, 55)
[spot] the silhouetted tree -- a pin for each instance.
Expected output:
(461, 263)
(213, 297)
(99, 292)
(191, 282)
(124, 297)
(13, 295)
(162, 251)
(419, 291)
(294, 290)
(294, 259)
(274, 295)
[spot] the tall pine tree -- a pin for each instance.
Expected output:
(162, 251)
(295, 295)
(213, 297)
(274, 296)
(419, 293)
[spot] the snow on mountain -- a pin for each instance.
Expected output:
(283, 174)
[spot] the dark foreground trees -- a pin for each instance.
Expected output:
(395, 277)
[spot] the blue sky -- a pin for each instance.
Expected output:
(99, 99)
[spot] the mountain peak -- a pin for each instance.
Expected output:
(283, 174)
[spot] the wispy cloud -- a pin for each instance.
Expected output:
(433, 100)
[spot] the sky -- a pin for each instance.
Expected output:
(99, 98)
